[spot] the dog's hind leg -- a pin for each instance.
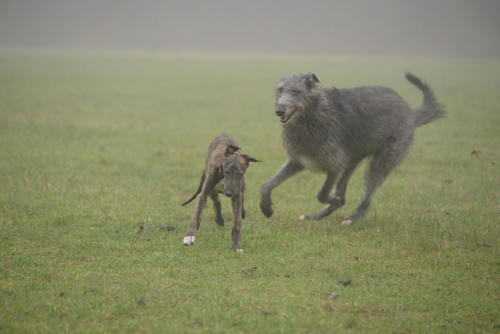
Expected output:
(325, 197)
(375, 176)
(217, 207)
(336, 200)
(381, 165)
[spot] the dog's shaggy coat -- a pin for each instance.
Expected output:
(332, 130)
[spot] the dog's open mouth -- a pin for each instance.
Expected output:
(286, 117)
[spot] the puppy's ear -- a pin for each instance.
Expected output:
(230, 149)
(249, 159)
(310, 79)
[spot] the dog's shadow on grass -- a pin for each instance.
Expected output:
(332, 226)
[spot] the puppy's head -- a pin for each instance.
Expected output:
(234, 166)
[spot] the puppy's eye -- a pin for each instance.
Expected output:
(294, 92)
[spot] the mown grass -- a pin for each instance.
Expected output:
(97, 151)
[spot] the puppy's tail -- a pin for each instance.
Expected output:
(197, 191)
(431, 109)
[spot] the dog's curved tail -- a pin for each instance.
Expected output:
(431, 109)
(197, 191)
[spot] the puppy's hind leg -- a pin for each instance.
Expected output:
(217, 207)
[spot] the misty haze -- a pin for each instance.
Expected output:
(417, 28)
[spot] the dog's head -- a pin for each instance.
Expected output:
(234, 167)
(294, 93)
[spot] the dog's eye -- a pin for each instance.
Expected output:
(294, 92)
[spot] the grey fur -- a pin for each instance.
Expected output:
(333, 130)
(226, 166)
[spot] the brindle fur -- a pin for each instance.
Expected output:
(333, 130)
(224, 165)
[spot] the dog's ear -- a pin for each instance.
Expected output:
(310, 79)
(249, 159)
(230, 149)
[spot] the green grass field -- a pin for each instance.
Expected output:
(98, 150)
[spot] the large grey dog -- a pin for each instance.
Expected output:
(332, 130)
(225, 166)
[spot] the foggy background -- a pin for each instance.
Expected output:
(457, 28)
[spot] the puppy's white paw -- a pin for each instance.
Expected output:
(188, 240)
(239, 250)
(303, 217)
(346, 222)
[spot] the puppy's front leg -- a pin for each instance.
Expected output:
(237, 203)
(196, 218)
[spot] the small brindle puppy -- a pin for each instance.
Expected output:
(225, 166)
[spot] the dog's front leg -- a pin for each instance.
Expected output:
(196, 218)
(237, 203)
(289, 168)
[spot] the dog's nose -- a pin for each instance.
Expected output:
(280, 110)
(228, 193)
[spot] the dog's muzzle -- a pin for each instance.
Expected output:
(282, 114)
(280, 110)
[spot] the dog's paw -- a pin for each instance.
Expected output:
(239, 250)
(346, 222)
(266, 208)
(188, 240)
(220, 222)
